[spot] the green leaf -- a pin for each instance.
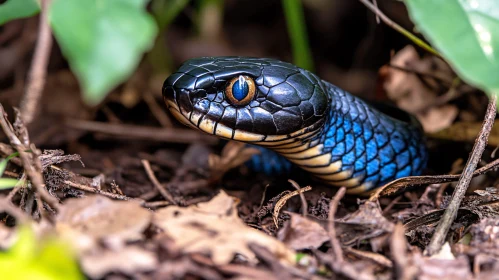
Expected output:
(8, 183)
(295, 19)
(3, 163)
(31, 259)
(103, 40)
(466, 33)
(14, 9)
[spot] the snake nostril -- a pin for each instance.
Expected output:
(169, 93)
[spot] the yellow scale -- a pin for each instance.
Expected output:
(297, 148)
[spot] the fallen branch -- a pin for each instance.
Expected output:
(335, 244)
(162, 190)
(38, 71)
(449, 216)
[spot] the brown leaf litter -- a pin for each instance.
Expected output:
(215, 228)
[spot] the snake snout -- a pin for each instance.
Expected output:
(273, 98)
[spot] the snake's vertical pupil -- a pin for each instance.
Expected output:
(240, 89)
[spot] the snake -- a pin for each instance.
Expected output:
(338, 138)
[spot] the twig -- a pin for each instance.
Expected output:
(160, 115)
(155, 204)
(346, 269)
(304, 205)
(371, 256)
(173, 135)
(377, 16)
(38, 71)
(97, 191)
(335, 243)
(399, 28)
(30, 161)
(280, 203)
(7, 206)
(401, 184)
(462, 185)
(392, 203)
(398, 246)
(163, 191)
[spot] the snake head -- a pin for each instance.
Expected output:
(246, 99)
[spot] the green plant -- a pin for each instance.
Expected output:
(466, 33)
(100, 41)
(293, 11)
(7, 183)
(30, 259)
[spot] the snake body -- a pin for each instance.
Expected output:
(317, 126)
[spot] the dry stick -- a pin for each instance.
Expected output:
(101, 192)
(28, 163)
(280, 203)
(156, 110)
(7, 206)
(377, 16)
(335, 244)
(374, 257)
(38, 71)
(162, 190)
(462, 185)
(304, 204)
(174, 135)
(399, 28)
(398, 246)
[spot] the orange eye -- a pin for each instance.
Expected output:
(240, 90)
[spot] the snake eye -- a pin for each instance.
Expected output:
(240, 90)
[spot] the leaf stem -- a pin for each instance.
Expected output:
(38, 71)
(293, 12)
(399, 28)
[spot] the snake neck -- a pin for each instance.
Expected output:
(358, 146)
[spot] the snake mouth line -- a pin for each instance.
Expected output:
(199, 121)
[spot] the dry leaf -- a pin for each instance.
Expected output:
(438, 269)
(302, 233)
(439, 118)
(405, 88)
(445, 253)
(233, 154)
(214, 228)
(84, 220)
(366, 223)
(282, 201)
(128, 260)
(416, 96)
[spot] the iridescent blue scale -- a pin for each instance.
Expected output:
(375, 148)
